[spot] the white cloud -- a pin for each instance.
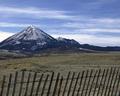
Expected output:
(100, 30)
(4, 35)
(33, 12)
(92, 39)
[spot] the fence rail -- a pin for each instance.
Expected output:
(102, 82)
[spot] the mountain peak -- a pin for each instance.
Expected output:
(31, 33)
(32, 26)
(30, 36)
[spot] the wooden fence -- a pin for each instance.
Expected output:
(102, 82)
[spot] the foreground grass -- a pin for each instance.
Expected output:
(61, 62)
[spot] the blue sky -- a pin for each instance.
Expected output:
(87, 21)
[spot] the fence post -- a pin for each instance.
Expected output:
(80, 83)
(33, 83)
(60, 85)
(104, 82)
(15, 81)
(101, 80)
(50, 84)
(97, 82)
(27, 84)
(92, 83)
(88, 82)
(68, 76)
(76, 84)
(117, 87)
(108, 81)
(39, 84)
(56, 83)
(113, 87)
(83, 88)
(21, 82)
(112, 78)
(9, 84)
(70, 86)
(44, 85)
(3, 85)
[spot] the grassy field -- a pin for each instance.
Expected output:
(61, 62)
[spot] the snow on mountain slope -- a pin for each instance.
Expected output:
(34, 39)
(30, 38)
(30, 33)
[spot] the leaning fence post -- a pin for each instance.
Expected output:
(39, 84)
(71, 84)
(21, 83)
(60, 85)
(101, 80)
(50, 84)
(76, 82)
(111, 81)
(108, 81)
(92, 83)
(88, 81)
(44, 85)
(113, 87)
(3, 85)
(97, 82)
(33, 83)
(15, 81)
(117, 87)
(81, 79)
(68, 76)
(56, 83)
(83, 88)
(104, 82)
(9, 84)
(27, 84)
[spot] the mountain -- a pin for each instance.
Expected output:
(33, 39)
(99, 48)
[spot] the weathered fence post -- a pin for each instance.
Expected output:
(70, 86)
(9, 84)
(112, 78)
(92, 83)
(21, 82)
(96, 82)
(104, 82)
(44, 85)
(33, 83)
(56, 84)
(66, 84)
(3, 85)
(27, 84)
(80, 83)
(76, 84)
(117, 87)
(88, 82)
(101, 80)
(108, 81)
(15, 81)
(51, 80)
(60, 85)
(83, 88)
(113, 87)
(39, 84)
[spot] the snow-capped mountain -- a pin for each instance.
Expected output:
(34, 39)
